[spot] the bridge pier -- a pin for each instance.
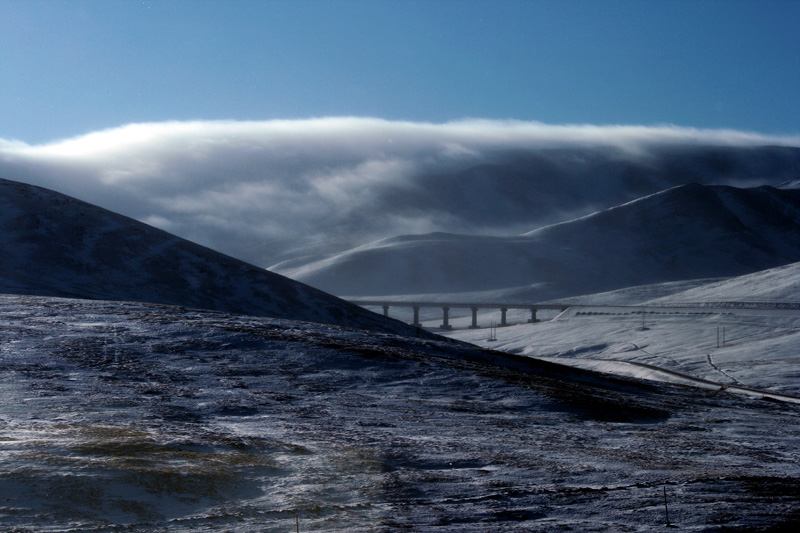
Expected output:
(416, 317)
(533, 319)
(445, 318)
(503, 312)
(474, 318)
(385, 310)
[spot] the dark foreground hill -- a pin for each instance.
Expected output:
(687, 232)
(54, 245)
(140, 417)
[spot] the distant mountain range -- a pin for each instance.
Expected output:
(511, 191)
(687, 232)
(54, 245)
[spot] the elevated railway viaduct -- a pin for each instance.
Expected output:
(446, 306)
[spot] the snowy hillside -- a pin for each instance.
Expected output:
(740, 332)
(55, 245)
(781, 284)
(141, 417)
(684, 233)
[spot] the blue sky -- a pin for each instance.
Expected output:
(71, 67)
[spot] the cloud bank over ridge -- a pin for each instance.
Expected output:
(275, 190)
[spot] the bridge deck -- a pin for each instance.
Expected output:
(457, 305)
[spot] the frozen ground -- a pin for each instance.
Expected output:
(140, 417)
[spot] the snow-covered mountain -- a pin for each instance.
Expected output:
(55, 245)
(507, 192)
(687, 232)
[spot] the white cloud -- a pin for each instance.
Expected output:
(259, 189)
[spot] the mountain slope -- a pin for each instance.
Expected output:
(687, 232)
(54, 245)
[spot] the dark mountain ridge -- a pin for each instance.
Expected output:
(54, 245)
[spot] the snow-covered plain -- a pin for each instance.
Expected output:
(143, 417)
(731, 347)
(740, 332)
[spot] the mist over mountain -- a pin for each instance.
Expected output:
(687, 232)
(54, 245)
(274, 191)
(525, 188)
